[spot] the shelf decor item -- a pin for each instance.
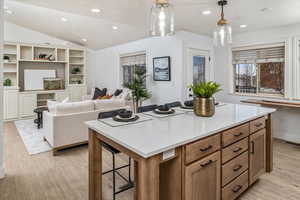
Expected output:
(138, 88)
(204, 103)
(7, 82)
(53, 84)
(76, 70)
(6, 59)
(162, 68)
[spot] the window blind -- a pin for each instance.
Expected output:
(259, 55)
(134, 60)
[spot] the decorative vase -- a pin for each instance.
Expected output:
(204, 107)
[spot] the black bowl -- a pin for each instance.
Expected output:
(164, 108)
(189, 103)
(125, 114)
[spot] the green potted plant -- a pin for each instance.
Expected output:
(204, 103)
(138, 88)
(7, 82)
(76, 70)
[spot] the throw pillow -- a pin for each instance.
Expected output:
(118, 92)
(99, 93)
(105, 97)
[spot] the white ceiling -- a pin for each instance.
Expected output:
(131, 16)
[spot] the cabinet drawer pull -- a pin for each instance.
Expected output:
(238, 134)
(206, 148)
(252, 147)
(237, 168)
(237, 188)
(258, 124)
(237, 149)
(206, 164)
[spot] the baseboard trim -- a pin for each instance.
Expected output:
(2, 174)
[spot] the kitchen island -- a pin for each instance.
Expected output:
(185, 157)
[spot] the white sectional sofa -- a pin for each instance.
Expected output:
(63, 125)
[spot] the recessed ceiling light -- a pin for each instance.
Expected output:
(84, 39)
(266, 9)
(115, 27)
(243, 26)
(95, 10)
(206, 12)
(64, 19)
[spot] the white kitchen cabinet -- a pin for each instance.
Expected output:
(27, 103)
(10, 103)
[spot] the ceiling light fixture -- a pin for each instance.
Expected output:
(162, 19)
(84, 39)
(95, 10)
(243, 26)
(206, 12)
(223, 33)
(115, 27)
(64, 19)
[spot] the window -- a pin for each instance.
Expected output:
(198, 69)
(129, 64)
(259, 71)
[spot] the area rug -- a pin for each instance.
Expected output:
(32, 137)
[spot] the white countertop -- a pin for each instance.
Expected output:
(158, 135)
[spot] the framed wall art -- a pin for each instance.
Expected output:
(162, 68)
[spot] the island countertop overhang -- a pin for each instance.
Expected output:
(159, 135)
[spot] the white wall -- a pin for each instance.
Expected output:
(1, 94)
(286, 121)
(108, 70)
(15, 33)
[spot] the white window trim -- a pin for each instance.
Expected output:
(288, 69)
(296, 63)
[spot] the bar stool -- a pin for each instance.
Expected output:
(115, 151)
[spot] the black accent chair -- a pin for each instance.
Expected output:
(174, 104)
(147, 108)
(114, 151)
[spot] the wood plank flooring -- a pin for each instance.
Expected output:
(65, 177)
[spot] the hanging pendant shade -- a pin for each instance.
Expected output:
(223, 33)
(162, 19)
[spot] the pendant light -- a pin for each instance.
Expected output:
(162, 19)
(223, 33)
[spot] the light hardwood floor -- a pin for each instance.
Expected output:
(65, 177)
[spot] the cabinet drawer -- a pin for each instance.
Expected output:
(232, 135)
(237, 187)
(257, 124)
(234, 168)
(234, 150)
(201, 148)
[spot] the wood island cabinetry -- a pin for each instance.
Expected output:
(223, 166)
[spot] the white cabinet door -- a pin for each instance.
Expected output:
(77, 92)
(28, 103)
(10, 104)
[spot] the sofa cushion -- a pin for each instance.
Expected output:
(99, 93)
(52, 104)
(108, 104)
(74, 107)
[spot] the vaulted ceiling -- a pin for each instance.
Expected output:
(131, 17)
